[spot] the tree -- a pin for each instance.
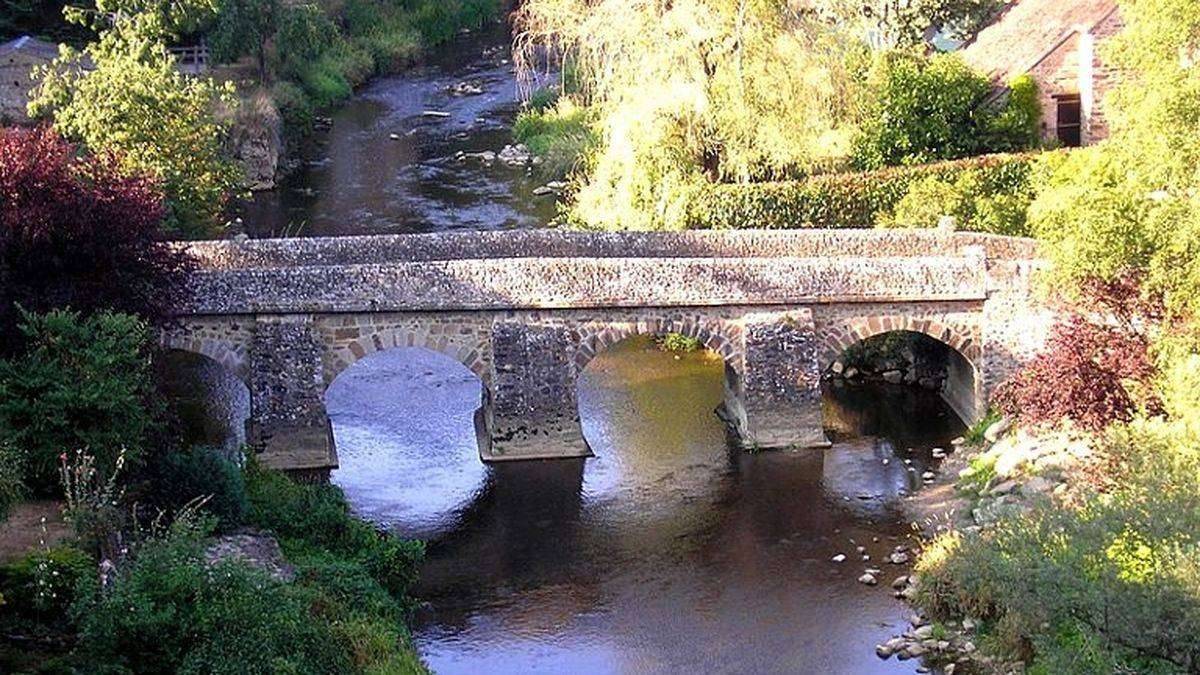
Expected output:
(691, 92)
(1130, 202)
(82, 384)
(924, 108)
(77, 231)
(133, 102)
(245, 27)
(910, 23)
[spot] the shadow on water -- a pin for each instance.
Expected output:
(666, 552)
(389, 164)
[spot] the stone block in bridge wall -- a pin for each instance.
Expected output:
(288, 423)
(780, 388)
(533, 412)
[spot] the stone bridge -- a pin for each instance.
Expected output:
(526, 311)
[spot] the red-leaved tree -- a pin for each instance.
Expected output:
(76, 232)
(1096, 367)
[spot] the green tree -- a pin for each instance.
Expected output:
(909, 23)
(245, 27)
(922, 109)
(691, 92)
(81, 384)
(123, 94)
(1131, 201)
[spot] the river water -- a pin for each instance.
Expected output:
(666, 552)
(389, 162)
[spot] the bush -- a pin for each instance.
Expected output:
(175, 479)
(559, 133)
(315, 518)
(1112, 583)
(1096, 368)
(170, 612)
(12, 482)
(83, 383)
(922, 109)
(76, 231)
(975, 206)
(847, 200)
(42, 585)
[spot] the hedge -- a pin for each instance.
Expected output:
(844, 200)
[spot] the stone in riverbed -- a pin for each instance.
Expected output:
(542, 191)
(900, 582)
(841, 557)
(893, 376)
(996, 430)
(898, 558)
(868, 579)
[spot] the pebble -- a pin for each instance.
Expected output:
(841, 557)
(868, 580)
(928, 475)
(543, 190)
(394, 137)
(434, 113)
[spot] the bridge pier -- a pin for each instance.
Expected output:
(776, 401)
(288, 425)
(533, 411)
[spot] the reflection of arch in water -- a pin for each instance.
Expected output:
(962, 390)
(650, 405)
(718, 337)
(207, 395)
(402, 420)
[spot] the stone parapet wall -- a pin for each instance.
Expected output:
(384, 249)
(522, 283)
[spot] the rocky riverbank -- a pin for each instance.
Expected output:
(1006, 473)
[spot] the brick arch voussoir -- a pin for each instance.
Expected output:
(228, 354)
(840, 338)
(379, 341)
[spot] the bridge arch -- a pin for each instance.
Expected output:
(963, 387)
(230, 354)
(470, 353)
(719, 337)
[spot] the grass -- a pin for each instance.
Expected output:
(556, 129)
(974, 434)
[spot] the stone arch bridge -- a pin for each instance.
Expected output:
(525, 311)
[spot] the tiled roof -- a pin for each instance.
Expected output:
(1028, 31)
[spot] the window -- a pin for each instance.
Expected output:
(1069, 120)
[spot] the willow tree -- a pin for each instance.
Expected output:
(686, 92)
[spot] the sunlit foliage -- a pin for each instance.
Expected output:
(123, 94)
(691, 92)
(1131, 202)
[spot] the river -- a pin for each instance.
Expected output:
(389, 163)
(666, 552)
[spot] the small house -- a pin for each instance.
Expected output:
(1056, 43)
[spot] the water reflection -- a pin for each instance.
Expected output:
(666, 552)
(404, 431)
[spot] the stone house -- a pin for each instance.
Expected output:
(1055, 42)
(18, 58)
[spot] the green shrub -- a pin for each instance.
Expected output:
(974, 433)
(82, 383)
(311, 519)
(560, 134)
(42, 585)
(12, 483)
(845, 200)
(677, 342)
(176, 478)
(1117, 577)
(295, 107)
(927, 108)
(974, 204)
(170, 612)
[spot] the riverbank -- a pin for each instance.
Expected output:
(322, 56)
(1011, 482)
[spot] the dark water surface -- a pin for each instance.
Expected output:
(385, 166)
(664, 553)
